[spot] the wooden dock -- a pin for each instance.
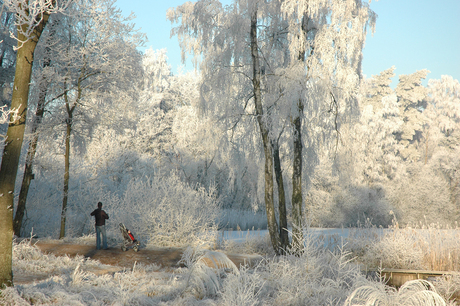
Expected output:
(397, 277)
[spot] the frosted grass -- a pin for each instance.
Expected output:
(317, 275)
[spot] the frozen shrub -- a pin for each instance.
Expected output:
(313, 276)
(258, 244)
(164, 211)
(428, 247)
(423, 195)
(347, 205)
(205, 269)
(448, 286)
(244, 288)
(412, 293)
(397, 249)
(11, 296)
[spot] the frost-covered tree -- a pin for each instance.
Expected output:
(95, 52)
(352, 186)
(411, 99)
(265, 64)
(157, 71)
(442, 131)
(371, 140)
(30, 20)
(442, 113)
(377, 87)
(43, 74)
(319, 34)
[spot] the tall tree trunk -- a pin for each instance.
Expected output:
(297, 198)
(67, 157)
(66, 176)
(269, 203)
(12, 150)
(69, 121)
(284, 235)
(28, 170)
(297, 215)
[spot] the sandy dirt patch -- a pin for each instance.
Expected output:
(164, 257)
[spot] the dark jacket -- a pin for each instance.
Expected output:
(100, 216)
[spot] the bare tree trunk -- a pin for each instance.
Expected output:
(269, 203)
(28, 171)
(297, 200)
(66, 175)
(12, 150)
(69, 120)
(284, 235)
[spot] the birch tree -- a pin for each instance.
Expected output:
(229, 41)
(285, 57)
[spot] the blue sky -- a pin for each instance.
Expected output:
(410, 34)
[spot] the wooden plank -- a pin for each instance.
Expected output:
(397, 277)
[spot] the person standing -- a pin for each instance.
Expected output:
(101, 216)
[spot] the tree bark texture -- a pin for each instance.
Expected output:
(66, 176)
(284, 234)
(269, 202)
(69, 120)
(28, 170)
(297, 199)
(10, 159)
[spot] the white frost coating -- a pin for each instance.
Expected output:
(9, 115)
(31, 13)
(330, 35)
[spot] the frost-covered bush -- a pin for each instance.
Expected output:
(314, 276)
(423, 195)
(397, 249)
(245, 288)
(426, 247)
(164, 211)
(412, 293)
(161, 210)
(256, 244)
(356, 203)
(348, 205)
(448, 286)
(205, 272)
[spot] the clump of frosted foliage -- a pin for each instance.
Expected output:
(313, 276)
(164, 211)
(412, 293)
(397, 249)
